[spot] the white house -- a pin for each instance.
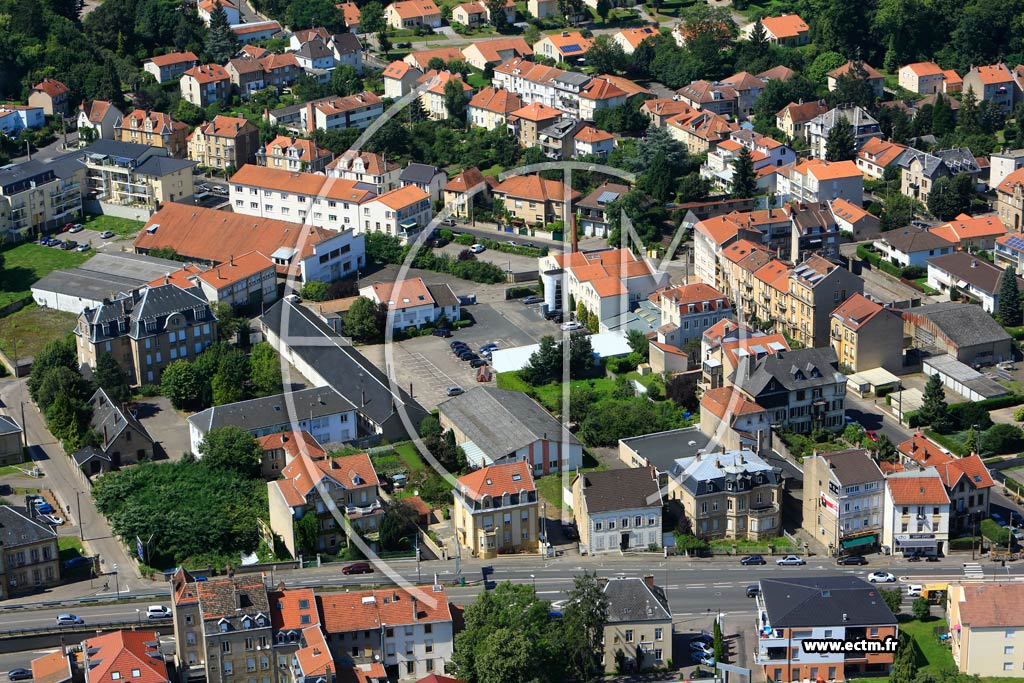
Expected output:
(912, 246)
(402, 212)
(413, 303)
(970, 275)
(100, 117)
(916, 512)
(321, 411)
(206, 7)
(617, 510)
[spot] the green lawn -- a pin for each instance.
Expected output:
(410, 456)
(69, 546)
(25, 264)
(31, 328)
(934, 654)
(118, 226)
(15, 470)
(477, 80)
(550, 489)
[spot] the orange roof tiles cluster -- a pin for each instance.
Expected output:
(926, 452)
(113, 656)
(775, 274)
(665, 106)
(992, 74)
(51, 87)
(536, 111)
(95, 110)
(174, 58)
(786, 26)
(403, 294)
(156, 121)
(439, 80)
(569, 43)
(591, 135)
(697, 292)
(397, 69)
(726, 402)
(224, 126)
(599, 89)
(236, 269)
(302, 474)
(965, 227)
(880, 152)
(635, 36)
(369, 610)
(990, 605)
(924, 68)
(535, 188)
(421, 58)
(1010, 182)
(351, 12)
(306, 149)
(495, 481)
(497, 100)
(740, 249)
(412, 9)
(856, 311)
(719, 229)
(293, 609)
(401, 197)
(293, 443)
(917, 491)
(467, 180)
(828, 170)
(845, 69)
(802, 112)
(491, 50)
(52, 668)
(209, 73)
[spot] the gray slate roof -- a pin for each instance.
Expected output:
(443, 295)
(110, 419)
(159, 303)
(345, 43)
(269, 411)
(84, 455)
(824, 601)
(911, 239)
(664, 448)
(793, 370)
(501, 422)
(963, 324)
(612, 490)
(632, 600)
(419, 174)
(116, 148)
(160, 166)
(974, 270)
(8, 425)
(697, 472)
(17, 529)
(853, 466)
(17, 176)
(314, 49)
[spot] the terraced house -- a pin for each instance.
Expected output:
(28, 553)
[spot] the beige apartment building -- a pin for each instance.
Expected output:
(134, 174)
(35, 196)
(533, 200)
(816, 287)
(639, 625)
(28, 553)
(984, 620)
(867, 335)
(227, 142)
(153, 128)
(496, 510)
(843, 496)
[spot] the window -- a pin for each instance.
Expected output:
(225, 646)
(1010, 633)
(428, 645)
(1008, 650)
(611, 524)
(657, 634)
(1007, 666)
(598, 526)
(410, 668)
(115, 675)
(638, 521)
(228, 668)
(250, 664)
(629, 635)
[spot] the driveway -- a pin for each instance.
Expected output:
(167, 427)
(515, 263)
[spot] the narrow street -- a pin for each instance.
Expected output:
(48, 454)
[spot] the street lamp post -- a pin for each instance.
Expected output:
(138, 615)
(117, 583)
(534, 578)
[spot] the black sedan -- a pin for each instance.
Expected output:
(20, 675)
(852, 560)
(468, 355)
(753, 559)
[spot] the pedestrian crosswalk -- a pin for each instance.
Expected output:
(973, 570)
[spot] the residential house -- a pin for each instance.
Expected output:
(30, 559)
(15, 118)
(51, 95)
(562, 47)
(413, 303)
(629, 39)
(294, 154)
(764, 153)
(542, 9)
(1002, 164)
(227, 142)
(727, 344)
(794, 117)
(983, 621)
(297, 197)
(594, 220)
(35, 196)
(660, 110)
(205, 84)
(995, 83)
(793, 610)
(317, 59)
(282, 448)
(491, 107)
(862, 124)
(206, 7)
(212, 237)
(256, 31)
(972, 233)
(427, 178)
(408, 631)
(728, 494)
(310, 487)
(11, 441)
(547, 85)
(498, 51)
(817, 181)
(155, 129)
(1009, 251)
(638, 631)
(788, 29)
(687, 311)
(857, 70)
(247, 74)
(558, 140)
(854, 220)
(352, 16)
(598, 95)
(843, 501)
(165, 68)
(534, 201)
(921, 169)
(434, 100)
(1010, 200)
(469, 14)
(967, 480)
(916, 513)
(401, 213)
(748, 88)
(928, 78)
(802, 389)
(245, 282)
(366, 168)
(99, 118)
(718, 98)
(867, 335)
(971, 276)
(814, 231)
(877, 155)
(347, 50)
(123, 439)
(327, 415)
(963, 331)
(280, 70)
(464, 191)
(495, 426)
(734, 421)
(912, 246)
(413, 14)
(130, 174)
(527, 123)
(711, 236)
(330, 113)
(617, 510)
(496, 510)
(421, 58)
(816, 287)
(700, 131)
(303, 36)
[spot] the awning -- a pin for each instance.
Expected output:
(857, 542)
(917, 543)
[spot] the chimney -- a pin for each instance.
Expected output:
(231, 260)
(846, 617)
(167, 278)
(415, 608)
(649, 580)
(974, 264)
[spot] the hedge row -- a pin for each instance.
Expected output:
(965, 543)
(878, 262)
(914, 420)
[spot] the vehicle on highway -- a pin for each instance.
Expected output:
(455, 391)
(571, 326)
(931, 558)
(852, 560)
(790, 561)
(158, 612)
(753, 559)
(53, 519)
(106, 234)
(753, 590)
(77, 227)
(914, 590)
(881, 577)
(19, 675)
(69, 620)
(82, 247)
(77, 562)
(478, 248)
(914, 557)
(477, 363)
(357, 568)
(532, 299)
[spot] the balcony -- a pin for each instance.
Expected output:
(762, 510)
(352, 510)
(770, 655)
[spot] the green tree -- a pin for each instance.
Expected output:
(934, 409)
(307, 533)
(893, 598)
(232, 449)
(583, 621)
(506, 657)
(581, 353)
(61, 381)
(229, 323)
(111, 378)
(371, 17)
(899, 211)
(545, 364)
(265, 370)
(943, 116)
(658, 180)
(1009, 298)
(920, 609)
(314, 290)
(693, 188)
(180, 385)
(55, 354)
(817, 72)
(384, 43)
(969, 117)
(365, 321)
(66, 418)
(229, 382)
(604, 8)
(312, 13)
(947, 200)
(345, 80)
(744, 178)
(841, 144)
(717, 641)
(638, 342)
(455, 101)
(398, 526)
(606, 56)
(853, 87)
(221, 41)
(904, 666)
(496, 8)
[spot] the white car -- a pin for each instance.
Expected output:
(53, 519)
(791, 561)
(571, 326)
(158, 612)
(477, 248)
(881, 577)
(914, 590)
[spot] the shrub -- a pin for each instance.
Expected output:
(520, 292)
(1018, 415)
(997, 534)
(1002, 439)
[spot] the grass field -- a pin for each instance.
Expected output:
(410, 457)
(25, 264)
(934, 655)
(118, 226)
(31, 328)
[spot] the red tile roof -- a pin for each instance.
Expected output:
(965, 227)
(208, 73)
(1012, 181)
(369, 610)
(497, 480)
(590, 134)
(725, 403)
(159, 122)
(52, 668)
(412, 292)
(635, 36)
(411, 9)
(465, 181)
(51, 87)
(924, 68)
(308, 151)
(927, 453)
(536, 111)
(992, 74)
(786, 26)
(491, 50)
(497, 100)
(401, 197)
(719, 229)
(294, 608)
(697, 292)
(991, 605)
(315, 658)
(535, 188)
(880, 152)
(422, 58)
(351, 12)
(226, 126)
(845, 69)
(803, 112)
(180, 278)
(917, 491)
(236, 270)
(124, 653)
(95, 110)
(856, 311)
(174, 58)
(293, 443)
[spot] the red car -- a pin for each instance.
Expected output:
(66, 227)
(357, 568)
(872, 434)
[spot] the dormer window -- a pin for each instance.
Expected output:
(224, 626)
(261, 620)
(247, 622)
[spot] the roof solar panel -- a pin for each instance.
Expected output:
(1015, 242)
(571, 47)
(607, 196)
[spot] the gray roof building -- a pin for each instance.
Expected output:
(314, 49)
(111, 420)
(824, 601)
(17, 529)
(271, 411)
(790, 370)
(631, 600)
(420, 174)
(8, 425)
(853, 466)
(963, 325)
(662, 449)
(345, 43)
(144, 314)
(611, 490)
(711, 472)
(911, 239)
(974, 270)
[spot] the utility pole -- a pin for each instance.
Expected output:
(81, 524)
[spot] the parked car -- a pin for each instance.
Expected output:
(69, 620)
(106, 234)
(700, 648)
(477, 363)
(460, 349)
(442, 332)
(69, 245)
(66, 227)
(707, 660)
(457, 342)
(753, 559)
(478, 248)
(881, 577)
(53, 519)
(557, 318)
(75, 562)
(569, 531)
(571, 326)
(455, 391)
(704, 638)
(469, 356)
(914, 590)
(357, 568)
(77, 227)
(532, 299)
(19, 675)
(82, 247)
(872, 434)
(852, 560)
(489, 346)
(997, 518)
(548, 315)
(44, 508)
(753, 590)
(158, 612)
(931, 558)
(790, 561)
(54, 242)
